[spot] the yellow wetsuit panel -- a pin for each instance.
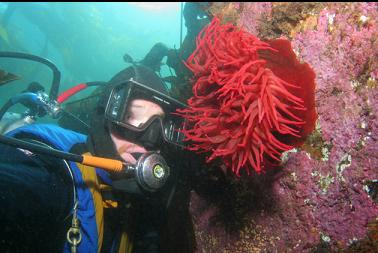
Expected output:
(90, 178)
(126, 245)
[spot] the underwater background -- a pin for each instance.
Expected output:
(325, 197)
(87, 41)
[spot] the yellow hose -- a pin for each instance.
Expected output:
(105, 163)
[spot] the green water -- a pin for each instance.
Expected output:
(86, 41)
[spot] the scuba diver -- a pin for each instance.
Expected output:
(50, 204)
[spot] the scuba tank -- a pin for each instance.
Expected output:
(13, 120)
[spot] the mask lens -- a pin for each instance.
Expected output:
(140, 112)
(172, 126)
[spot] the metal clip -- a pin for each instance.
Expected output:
(74, 235)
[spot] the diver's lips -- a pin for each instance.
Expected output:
(132, 157)
(131, 152)
(127, 157)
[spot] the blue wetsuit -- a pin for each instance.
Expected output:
(37, 199)
(37, 194)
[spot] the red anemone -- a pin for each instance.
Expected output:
(252, 100)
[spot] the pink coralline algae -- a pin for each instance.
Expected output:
(252, 100)
(315, 204)
(253, 15)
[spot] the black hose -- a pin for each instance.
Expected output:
(40, 149)
(5, 108)
(56, 73)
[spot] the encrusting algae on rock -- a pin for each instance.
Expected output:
(337, 214)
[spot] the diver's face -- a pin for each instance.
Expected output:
(140, 111)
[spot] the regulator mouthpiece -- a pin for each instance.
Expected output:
(151, 171)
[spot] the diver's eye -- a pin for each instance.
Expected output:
(199, 17)
(131, 120)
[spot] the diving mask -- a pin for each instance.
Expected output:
(126, 108)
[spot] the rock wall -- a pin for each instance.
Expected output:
(325, 197)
